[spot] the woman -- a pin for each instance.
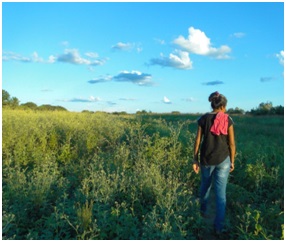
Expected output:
(217, 151)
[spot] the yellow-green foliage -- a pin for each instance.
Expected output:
(102, 176)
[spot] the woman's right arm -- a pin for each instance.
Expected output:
(232, 148)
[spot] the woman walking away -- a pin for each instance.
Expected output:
(217, 151)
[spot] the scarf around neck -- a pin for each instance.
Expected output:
(220, 125)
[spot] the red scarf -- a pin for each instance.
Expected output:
(220, 125)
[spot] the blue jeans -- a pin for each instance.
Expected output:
(220, 175)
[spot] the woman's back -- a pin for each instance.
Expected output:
(214, 148)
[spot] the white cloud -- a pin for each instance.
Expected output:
(91, 99)
(100, 79)
(280, 57)
(94, 99)
(9, 55)
(139, 49)
(179, 59)
(72, 56)
(65, 43)
(36, 58)
(52, 59)
(166, 100)
(127, 99)
(92, 54)
(160, 41)
(122, 46)
(198, 43)
(238, 35)
(136, 77)
(189, 99)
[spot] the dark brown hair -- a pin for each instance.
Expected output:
(217, 100)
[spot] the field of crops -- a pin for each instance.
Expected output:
(102, 176)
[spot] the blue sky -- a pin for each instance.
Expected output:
(131, 56)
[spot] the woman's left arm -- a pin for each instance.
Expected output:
(196, 165)
(232, 147)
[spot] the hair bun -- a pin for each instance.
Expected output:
(213, 96)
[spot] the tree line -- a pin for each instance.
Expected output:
(266, 108)
(14, 103)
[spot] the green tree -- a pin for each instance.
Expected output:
(48, 107)
(14, 102)
(141, 112)
(8, 101)
(86, 111)
(265, 106)
(5, 98)
(279, 110)
(29, 105)
(176, 112)
(235, 111)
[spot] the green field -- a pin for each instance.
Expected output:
(103, 176)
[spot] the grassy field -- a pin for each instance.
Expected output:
(102, 176)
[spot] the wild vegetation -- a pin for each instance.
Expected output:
(101, 176)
